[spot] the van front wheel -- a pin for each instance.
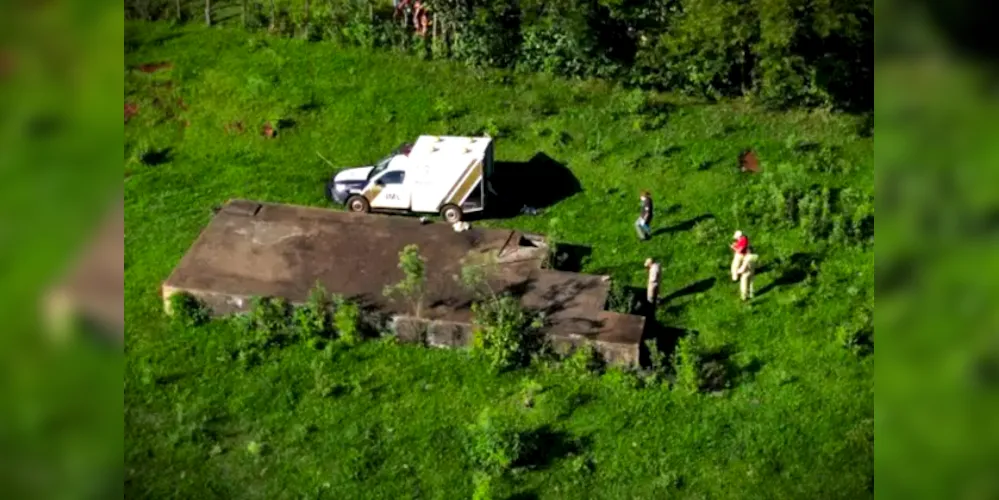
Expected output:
(451, 213)
(358, 204)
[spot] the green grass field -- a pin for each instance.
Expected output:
(796, 421)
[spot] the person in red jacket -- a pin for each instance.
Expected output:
(739, 249)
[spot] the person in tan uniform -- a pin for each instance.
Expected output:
(655, 276)
(746, 272)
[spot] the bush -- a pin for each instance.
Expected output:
(413, 284)
(783, 52)
(491, 37)
(270, 319)
(504, 334)
(483, 484)
(618, 377)
(188, 310)
(314, 318)
(687, 364)
(583, 361)
(347, 320)
(621, 299)
(494, 444)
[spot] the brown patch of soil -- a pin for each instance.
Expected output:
(748, 161)
(131, 109)
(268, 131)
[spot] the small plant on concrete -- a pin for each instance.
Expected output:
(413, 284)
(347, 320)
(188, 310)
(687, 362)
(504, 334)
(476, 270)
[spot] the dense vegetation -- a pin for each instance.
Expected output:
(781, 52)
(769, 399)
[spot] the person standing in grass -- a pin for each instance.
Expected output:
(739, 250)
(643, 224)
(655, 276)
(747, 270)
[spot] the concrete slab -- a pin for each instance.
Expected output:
(93, 289)
(262, 249)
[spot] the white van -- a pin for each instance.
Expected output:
(445, 175)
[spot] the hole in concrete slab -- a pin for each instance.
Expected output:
(531, 241)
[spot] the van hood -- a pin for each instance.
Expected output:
(353, 174)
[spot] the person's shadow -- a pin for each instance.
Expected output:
(683, 226)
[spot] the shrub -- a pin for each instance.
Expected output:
(491, 37)
(188, 310)
(621, 299)
(619, 377)
(504, 334)
(483, 486)
(414, 280)
(347, 320)
(687, 364)
(313, 319)
(494, 444)
(583, 361)
(269, 318)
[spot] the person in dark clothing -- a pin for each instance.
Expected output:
(644, 222)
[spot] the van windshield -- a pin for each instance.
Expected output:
(380, 166)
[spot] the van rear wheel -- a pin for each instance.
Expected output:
(452, 213)
(358, 204)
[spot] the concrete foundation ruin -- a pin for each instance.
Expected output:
(253, 249)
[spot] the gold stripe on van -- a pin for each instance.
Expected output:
(456, 185)
(372, 192)
(467, 186)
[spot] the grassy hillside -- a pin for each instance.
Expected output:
(795, 422)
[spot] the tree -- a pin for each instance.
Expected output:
(208, 12)
(413, 285)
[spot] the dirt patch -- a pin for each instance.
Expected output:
(131, 109)
(268, 131)
(154, 67)
(748, 161)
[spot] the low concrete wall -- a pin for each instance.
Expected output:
(612, 352)
(432, 332)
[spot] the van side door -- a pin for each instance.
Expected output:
(389, 190)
